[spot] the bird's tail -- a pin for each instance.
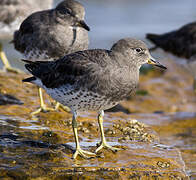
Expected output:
(38, 69)
(30, 79)
(32, 67)
(152, 37)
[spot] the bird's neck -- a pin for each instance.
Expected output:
(134, 74)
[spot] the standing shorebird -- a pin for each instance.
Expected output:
(12, 13)
(51, 34)
(92, 80)
(181, 42)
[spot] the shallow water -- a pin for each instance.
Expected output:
(39, 147)
(38, 152)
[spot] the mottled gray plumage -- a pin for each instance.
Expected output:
(181, 42)
(99, 75)
(51, 34)
(13, 12)
(92, 80)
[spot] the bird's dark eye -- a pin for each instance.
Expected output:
(138, 50)
(68, 11)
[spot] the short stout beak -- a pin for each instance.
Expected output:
(156, 63)
(82, 24)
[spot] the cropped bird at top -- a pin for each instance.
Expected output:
(92, 80)
(180, 42)
(51, 34)
(12, 13)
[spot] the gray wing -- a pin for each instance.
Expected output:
(71, 69)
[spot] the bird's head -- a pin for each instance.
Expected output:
(75, 11)
(136, 52)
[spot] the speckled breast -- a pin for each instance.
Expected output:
(80, 100)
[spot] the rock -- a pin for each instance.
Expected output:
(39, 153)
(42, 148)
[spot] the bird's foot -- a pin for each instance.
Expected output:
(83, 154)
(7, 66)
(13, 70)
(65, 108)
(42, 109)
(107, 146)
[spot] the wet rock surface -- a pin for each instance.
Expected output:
(157, 139)
(46, 151)
(9, 99)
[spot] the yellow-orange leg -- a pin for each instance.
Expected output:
(103, 143)
(65, 108)
(43, 107)
(6, 63)
(79, 151)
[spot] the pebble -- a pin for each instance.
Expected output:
(134, 130)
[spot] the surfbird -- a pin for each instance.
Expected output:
(51, 34)
(95, 79)
(12, 13)
(180, 42)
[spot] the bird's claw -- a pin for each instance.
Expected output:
(42, 109)
(13, 70)
(107, 146)
(65, 108)
(83, 154)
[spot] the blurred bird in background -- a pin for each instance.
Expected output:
(180, 42)
(12, 13)
(51, 34)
